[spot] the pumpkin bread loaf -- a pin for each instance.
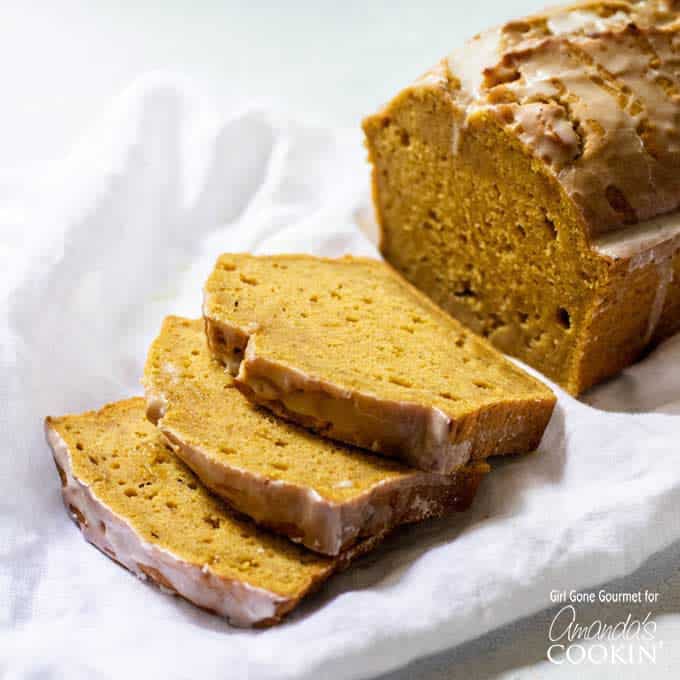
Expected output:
(321, 493)
(140, 505)
(346, 347)
(521, 181)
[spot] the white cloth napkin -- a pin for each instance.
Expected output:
(97, 248)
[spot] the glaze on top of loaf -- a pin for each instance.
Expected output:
(593, 90)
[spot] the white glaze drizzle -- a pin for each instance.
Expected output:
(665, 275)
(469, 62)
(652, 240)
(238, 601)
(619, 158)
(584, 21)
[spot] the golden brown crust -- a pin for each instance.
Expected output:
(669, 321)
(637, 308)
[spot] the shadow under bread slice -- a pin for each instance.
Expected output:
(140, 505)
(324, 494)
(348, 348)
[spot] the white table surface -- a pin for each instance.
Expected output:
(62, 61)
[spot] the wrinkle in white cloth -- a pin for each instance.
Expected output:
(99, 247)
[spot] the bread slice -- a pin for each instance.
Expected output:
(141, 506)
(323, 494)
(348, 348)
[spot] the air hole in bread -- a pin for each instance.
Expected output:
(214, 522)
(552, 229)
(449, 396)
(402, 382)
(465, 291)
(250, 280)
(564, 318)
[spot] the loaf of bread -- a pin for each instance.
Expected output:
(323, 494)
(530, 184)
(141, 506)
(348, 348)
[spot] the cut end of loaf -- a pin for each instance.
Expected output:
(497, 173)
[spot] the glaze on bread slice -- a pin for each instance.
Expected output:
(348, 348)
(324, 494)
(140, 505)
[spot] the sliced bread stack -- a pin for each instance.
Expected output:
(317, 406)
